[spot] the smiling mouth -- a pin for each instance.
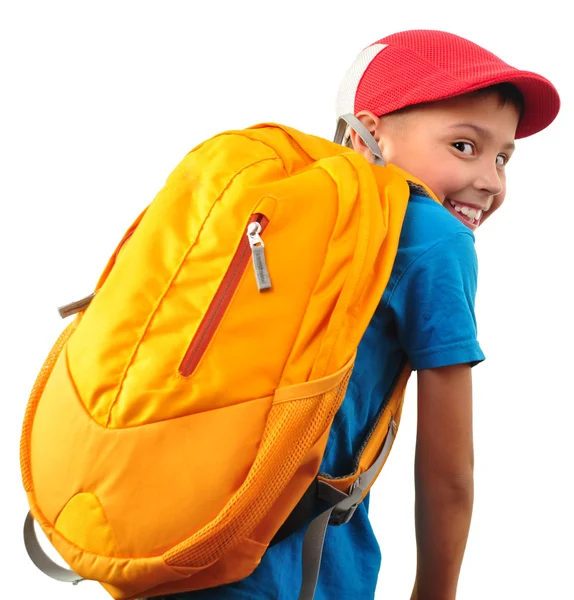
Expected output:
(466, 214)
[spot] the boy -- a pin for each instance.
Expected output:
(448, 112)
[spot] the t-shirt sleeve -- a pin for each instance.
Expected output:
(433, 302)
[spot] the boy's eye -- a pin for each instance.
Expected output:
(501, 160)
(464, 147)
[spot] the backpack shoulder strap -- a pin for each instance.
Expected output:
(342, 508)
(41, 559)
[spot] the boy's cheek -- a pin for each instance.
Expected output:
(496, 204)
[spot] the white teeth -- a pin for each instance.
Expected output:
(471, 213)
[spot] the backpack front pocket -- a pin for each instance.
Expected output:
(250, 246)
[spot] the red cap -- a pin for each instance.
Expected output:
(417, 66)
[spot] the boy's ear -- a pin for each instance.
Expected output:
(371, 122)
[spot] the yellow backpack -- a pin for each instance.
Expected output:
(182, 416)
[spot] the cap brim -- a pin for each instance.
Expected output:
(541, 100)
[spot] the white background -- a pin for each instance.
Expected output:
(99, 101)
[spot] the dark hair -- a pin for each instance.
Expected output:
(507, 94)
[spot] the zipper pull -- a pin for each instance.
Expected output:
(258, 255)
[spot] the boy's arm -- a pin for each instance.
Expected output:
(444, 464)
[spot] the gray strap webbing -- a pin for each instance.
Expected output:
(312, 553)
(362, 132)
(343, 504)
(41, 559)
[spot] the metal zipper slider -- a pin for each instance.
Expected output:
(258, 255)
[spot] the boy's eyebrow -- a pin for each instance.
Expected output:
(485, 133)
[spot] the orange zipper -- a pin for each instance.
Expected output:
(220, 302)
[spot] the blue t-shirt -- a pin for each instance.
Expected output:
(426, 315)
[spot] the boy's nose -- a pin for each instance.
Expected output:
(489, 181)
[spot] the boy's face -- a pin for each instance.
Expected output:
(458, 147)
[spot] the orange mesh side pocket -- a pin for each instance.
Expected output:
(35, 396)
(293, 426)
